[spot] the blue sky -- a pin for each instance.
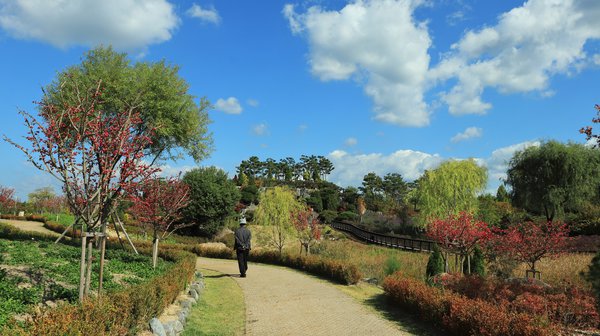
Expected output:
(380, 85)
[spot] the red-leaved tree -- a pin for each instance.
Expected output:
(95, 155)
(459, 234)
(307, 228)
(529, 242)
(157, 205)
(588, 129)
(7, 200)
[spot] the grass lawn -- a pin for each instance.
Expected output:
(33, 272)
(221, 309)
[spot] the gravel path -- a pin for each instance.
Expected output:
(29, 226)
(280, 301)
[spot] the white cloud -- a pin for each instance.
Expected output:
(209, 15)
(377, 40)
(527, 46)
(350, 169)
(497, 163)
(167, 170)
(252, 102)
(230, 105)
(380, 44)
(302, 127)
(351, 142)
(260, 129)
(471, 132)
(124, 24)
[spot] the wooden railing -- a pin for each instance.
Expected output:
(385, 240)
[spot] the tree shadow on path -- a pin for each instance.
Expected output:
(406, 320)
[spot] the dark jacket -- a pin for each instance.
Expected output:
(242, 238)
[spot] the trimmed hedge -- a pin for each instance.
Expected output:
(459, 315)
(118, 313)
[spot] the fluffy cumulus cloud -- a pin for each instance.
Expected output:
(377, 42)
(350, 169)
(125, 24)
(497, 163)
(260, 129)
(209, 15)
(382, 45)
(527, 46)
(470, 132)
(230, 105)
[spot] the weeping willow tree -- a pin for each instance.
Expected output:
(450, 189)
(274, 212)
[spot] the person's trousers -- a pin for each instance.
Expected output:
(242, 257)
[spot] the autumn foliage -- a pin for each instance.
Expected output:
(589, 129)
(529, 242)
(307, 228)
(7, 200)
(459, 234)
(157, 204)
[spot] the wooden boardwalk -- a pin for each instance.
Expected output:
(403, 243)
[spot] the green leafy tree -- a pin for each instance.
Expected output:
(330, 196)
(450, 189)
(153, 88)
(349, 198)
(275, 211)
(372, 190)
(554, 178)
(502, 195)
(39, 197)
(249, 194)
(212, 199)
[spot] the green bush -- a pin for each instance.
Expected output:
(477, 263)
(392, 265)
(328, 216)
(347, 216)
(435, 264)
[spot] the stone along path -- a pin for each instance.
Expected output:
(281, 301)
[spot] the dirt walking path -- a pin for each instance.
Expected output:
(29, 226)
(280, 301)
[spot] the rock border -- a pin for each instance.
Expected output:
(172, 320)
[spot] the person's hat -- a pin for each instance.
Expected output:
(242, 221)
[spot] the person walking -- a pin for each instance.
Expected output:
(242, 246)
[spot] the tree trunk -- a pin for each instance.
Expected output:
(469, 263)
(101, 275)
(82, 267)
(88, 278)
(154, 252)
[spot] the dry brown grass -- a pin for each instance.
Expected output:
(562, 270)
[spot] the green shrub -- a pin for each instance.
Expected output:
(392, 265)
(435, 264)
(327, 216)
(477, 263)
(347, 216)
